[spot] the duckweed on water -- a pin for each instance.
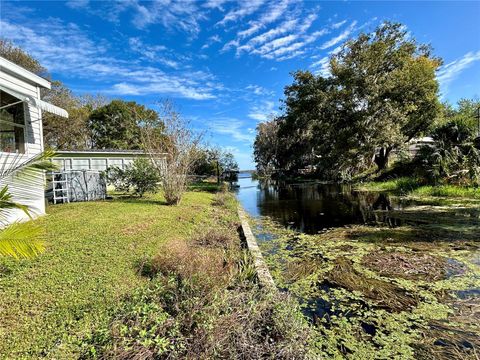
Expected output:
(405, 292)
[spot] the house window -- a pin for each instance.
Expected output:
(12, 124)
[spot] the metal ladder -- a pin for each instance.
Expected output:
(61, 193)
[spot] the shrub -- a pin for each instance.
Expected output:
(141, 176)
(454, 159)
(201, 304)
(180, 144)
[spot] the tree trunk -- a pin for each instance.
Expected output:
(382, 157)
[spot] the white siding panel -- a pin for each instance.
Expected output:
(28, 191)
(18, 84)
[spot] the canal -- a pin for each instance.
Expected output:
(378, 275)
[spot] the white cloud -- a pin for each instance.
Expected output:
(259, 90)
(233, 128)
(338, 24)
(272, 33)
(215, 4)
(452, 70)
(171, 14)
(343, 36)
(77, 4)
(66, 49)
(336, 50)
(263, 111)
(246, 8)
(182, 15)
(286, 40)
(156, 53)
(271, 14)
(211, 40)
(322, 67)
(275, 44)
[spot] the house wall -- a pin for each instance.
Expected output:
(25, 190)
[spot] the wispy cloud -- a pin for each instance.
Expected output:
(322, 67)
(211, 40)
(171, 14)
(67, 49)
(245, 8)
(259, 90)
(183, 15)
(155, 53)
(234, 128)
(339, 38)
(271, 14)
(449, 72)
(284, 41)
(338, 24)
(78, 4)
(263, 111)
(215, 4)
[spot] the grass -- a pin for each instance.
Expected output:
(411, 186)
(50, 303)
(447, 191)
(135, 278)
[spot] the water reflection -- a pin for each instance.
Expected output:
(312, 207)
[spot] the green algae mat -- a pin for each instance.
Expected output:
(407, 287)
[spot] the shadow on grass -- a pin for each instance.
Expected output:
(204, 187)
(132, 199)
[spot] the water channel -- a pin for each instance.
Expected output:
(393, 275)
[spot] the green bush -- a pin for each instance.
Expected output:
(141, 176)
(202, 302)
(453, 159)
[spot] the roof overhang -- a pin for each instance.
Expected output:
(45, 106)
(19, 71)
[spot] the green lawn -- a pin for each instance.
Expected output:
(93, 254)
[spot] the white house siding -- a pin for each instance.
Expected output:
(26, 191)
(93, 163)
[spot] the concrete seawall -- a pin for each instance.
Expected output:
(264, 277)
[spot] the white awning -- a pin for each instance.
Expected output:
(45, 106)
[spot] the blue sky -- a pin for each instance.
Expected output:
(225, 63)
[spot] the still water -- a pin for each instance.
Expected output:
(372, 260)
(313, 207)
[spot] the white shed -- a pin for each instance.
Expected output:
(21, 135)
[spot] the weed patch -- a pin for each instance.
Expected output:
(202, 302)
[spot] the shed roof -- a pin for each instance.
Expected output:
(100, 151)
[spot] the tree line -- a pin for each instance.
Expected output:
(381, 93)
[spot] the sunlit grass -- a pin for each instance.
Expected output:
(412, 186)
(91, 261)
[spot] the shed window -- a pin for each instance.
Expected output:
(12, 124)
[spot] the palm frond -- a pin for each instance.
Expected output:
(6, 202)
(21, 240)
(13, 164)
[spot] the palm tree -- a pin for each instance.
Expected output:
(19, 239)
